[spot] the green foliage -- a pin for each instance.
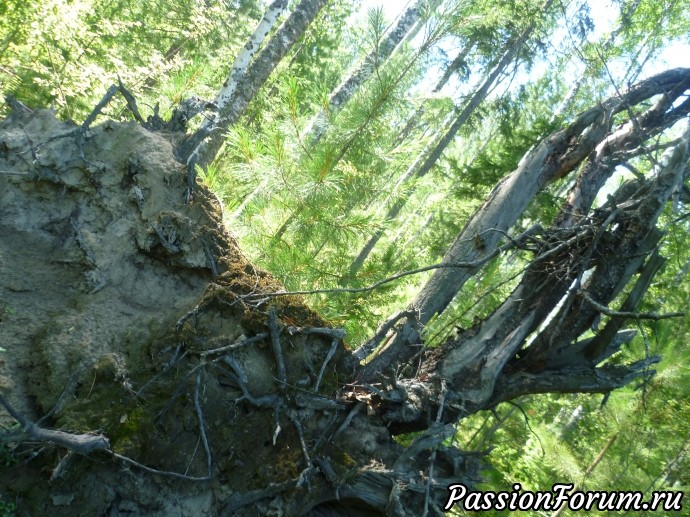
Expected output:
(66, 54)
(7, 508)
(303, 207)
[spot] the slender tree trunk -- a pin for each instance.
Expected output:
(589, 470)
(202, 146)
(429, 157)
(430, 218)
(409, 20)
(419, 112)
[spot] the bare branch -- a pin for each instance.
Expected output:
(329, 356)
(626, 314)
(79, 443)
(202, 425)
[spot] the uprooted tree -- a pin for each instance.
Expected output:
(154, 370)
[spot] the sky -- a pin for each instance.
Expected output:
(603, 12)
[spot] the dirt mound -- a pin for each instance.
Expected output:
(122, 314)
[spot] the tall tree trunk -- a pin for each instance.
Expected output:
(409, 20)
(238, 91)
(430, 156)
(453, 67)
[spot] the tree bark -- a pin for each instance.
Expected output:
(350, 84)
(553, 158)
(202, 146)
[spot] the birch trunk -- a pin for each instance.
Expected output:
(202, 146)
(408, 24)
(239, 67)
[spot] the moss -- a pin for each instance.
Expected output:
(287, 464)
(344, 465)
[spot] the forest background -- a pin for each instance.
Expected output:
(331, 192)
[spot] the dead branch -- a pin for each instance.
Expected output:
(82, 444)
(625, 314)
(367, 348)
(329, 356)
(358, 408)
(324, 331)
(202, 425)
(441, 265)
(164, 473)
(432, 458)
(300, 434)
(79, 443)
(235, 345)
(271, 401)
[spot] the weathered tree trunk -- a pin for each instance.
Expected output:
(554, 157)
(155, 371)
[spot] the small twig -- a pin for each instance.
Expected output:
(324, 331)
(166, 368)
(191, 459)
(167, 243)
(211, 259)
(177, 392)
(367, 348)
(131, 102)
(298, 428)
(58, 405)
(276, 419)
(62, 465)
(189, 314)
(441, 265)
(329, 356)
(304, 478)
(432, 458)
(275, 342)
(265, 401)
(109, 94)
(165, 473)
(235, 345)
(624, 314)
(357, 409)
(202, 425)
